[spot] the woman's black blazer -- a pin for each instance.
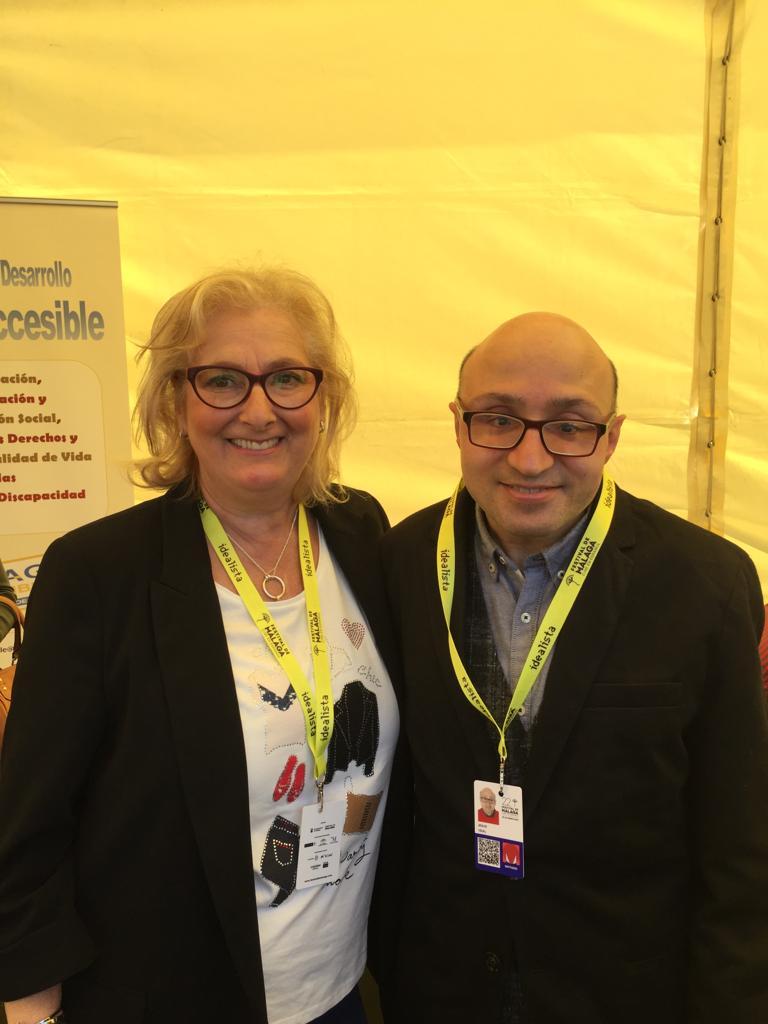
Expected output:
(125, 845)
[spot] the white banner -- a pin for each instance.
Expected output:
(64, 413)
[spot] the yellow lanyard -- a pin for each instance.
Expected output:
(317, 706)
(554, 617)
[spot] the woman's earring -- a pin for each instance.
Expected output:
(322, 426)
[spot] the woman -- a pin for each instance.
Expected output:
(165, 757)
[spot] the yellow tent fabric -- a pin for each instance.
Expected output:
(746, 491)
(438, 167)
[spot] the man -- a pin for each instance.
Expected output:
(640, 743)
(486, 812)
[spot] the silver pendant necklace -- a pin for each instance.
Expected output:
(271, 574)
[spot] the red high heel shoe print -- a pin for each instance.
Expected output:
(290, 782)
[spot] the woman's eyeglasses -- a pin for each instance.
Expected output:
(223, 387)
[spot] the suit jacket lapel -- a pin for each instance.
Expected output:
(471, 724)
(580, 649)
(206, 730)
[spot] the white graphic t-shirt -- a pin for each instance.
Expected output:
(313, 941)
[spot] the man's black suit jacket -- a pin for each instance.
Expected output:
(646, 888)
(125, 847)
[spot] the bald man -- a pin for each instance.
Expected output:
(613, 646)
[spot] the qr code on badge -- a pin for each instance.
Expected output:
(488, 852)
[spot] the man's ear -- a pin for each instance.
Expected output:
(456, 421)
(614, 432)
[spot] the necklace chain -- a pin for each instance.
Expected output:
(271, 574)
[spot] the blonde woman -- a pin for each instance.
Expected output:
(165, 762)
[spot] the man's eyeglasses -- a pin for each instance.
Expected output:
(560, 437)
(223, 387)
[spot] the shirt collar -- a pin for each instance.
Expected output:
(555, 557)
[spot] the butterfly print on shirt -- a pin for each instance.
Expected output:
(281, 703)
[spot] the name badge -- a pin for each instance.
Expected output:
(498, 829)
(320, 844)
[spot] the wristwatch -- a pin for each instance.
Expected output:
(57, 1018)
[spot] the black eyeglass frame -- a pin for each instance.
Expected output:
(253, 379)
(539, 425)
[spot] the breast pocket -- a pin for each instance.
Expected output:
(635, 695)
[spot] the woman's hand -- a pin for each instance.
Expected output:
(32, 1009)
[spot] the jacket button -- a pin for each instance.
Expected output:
(492, 963)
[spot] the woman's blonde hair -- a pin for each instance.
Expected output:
(179, 328)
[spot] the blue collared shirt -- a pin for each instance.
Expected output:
(517, 598)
